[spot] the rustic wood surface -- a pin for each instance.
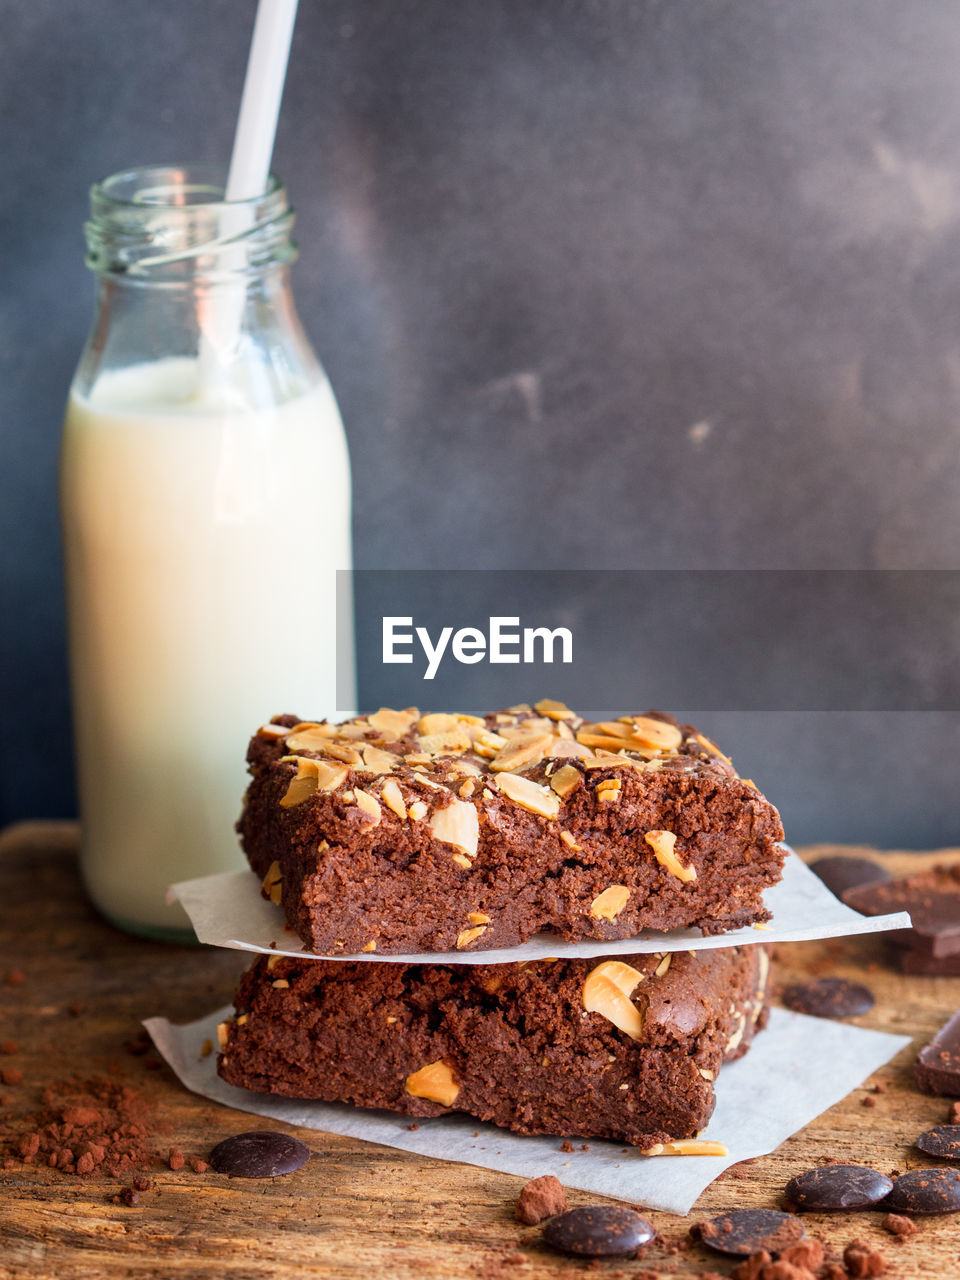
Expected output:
(358, 1210)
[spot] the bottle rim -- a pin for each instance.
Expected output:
(171, 224)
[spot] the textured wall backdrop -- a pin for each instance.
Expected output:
(599, 283)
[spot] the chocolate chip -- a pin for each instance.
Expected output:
(842, 873)
(937, 1068)
(598, 1231)
(836, 1187)
(943, 1141)
(925, 1191)
(829, 998)
(262, 1153)
(745, 1231)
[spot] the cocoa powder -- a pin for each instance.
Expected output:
(84, 1127)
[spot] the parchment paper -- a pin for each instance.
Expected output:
(796, 1068)
(228, 910)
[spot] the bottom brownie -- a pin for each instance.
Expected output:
(625, 1048)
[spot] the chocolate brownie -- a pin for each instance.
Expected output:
(399, 833)
(622, 1049)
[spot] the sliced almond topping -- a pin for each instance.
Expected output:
(712, 747)
(521, 751)
(487, 744)
(609, 904)
(347, 797)
(612, 728)
(371, 945)
(466, 936)
(280, 984)
(378, 761)
(368, 805)
(312, 738)
(273, 731)
(553, 710)
(393, 725)
(223, 1034)
(467, 788)
(656, 733)
(447, 743)
(418, 811)
(607, 991)
(341, 751)
(608, 791)
(706, 1073)
(662, 842)
(568, 840)
(272, 883)
(461, 768)
(565, 780)
(439, 722)
(391, 1020)
(589, 738)
(687, 1147)
(567, 748)
(243, 1019)
(392, 797)
(734, 1041)
(457, 824)
(529, 794)
(434, 1082)
(521, 709)
(478, 917)
(663, 966)
(418, 757)
(461, 861)
(302, 787)
(272, 962)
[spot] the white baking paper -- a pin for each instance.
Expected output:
(228, 910)
(797, 1068)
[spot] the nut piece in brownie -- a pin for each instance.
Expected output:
(399, 832)
(626, 1049)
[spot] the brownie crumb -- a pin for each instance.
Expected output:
(807, 1254)
(411, 1127)
(868, 1101)
(15, 978)
(863, 1262)
(899, 1226)
(9, 1046)
(567, 1145)
(751, 1268)
(128, 1197)
(541, 1198)
(198, 1166)
(76, 1007)
(176, 1160)
(11, 1075)
(142, 1184)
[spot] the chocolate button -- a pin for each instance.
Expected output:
(598, 1231)
(746, 1231)
(925, 1191)
(259, 1154)
(829, 998)
(943, 1141)
(842, 873)
(838, 1186)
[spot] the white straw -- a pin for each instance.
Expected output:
(221, 315)
(260, 104)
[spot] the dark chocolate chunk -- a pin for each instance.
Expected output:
(261, 1153)
(836, 1187)
(943, 1141)
(937, 1068)
(933, 900)
(745, 1231)
(598, 1231)
(829, 998)
(842, 873)
(911, 961)
(925, 1191)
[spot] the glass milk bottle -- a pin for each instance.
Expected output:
(205, 503)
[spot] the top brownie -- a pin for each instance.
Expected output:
(400, 833)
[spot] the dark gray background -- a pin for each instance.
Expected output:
(599, 284)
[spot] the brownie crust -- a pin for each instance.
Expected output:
(544, 1047)
(400, 833)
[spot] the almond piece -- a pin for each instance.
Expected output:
(456, 824)
(418, 811)
(272, 884)
(656, 733)
(466, 936)
(553, 710)
(309, 737)
(368, 805)
(273, 731)
(312, 776)
(565, 780)
(529, 794)
(521, 750)
(687, 1147)
(461, 861)
(341, 751)
(663, 966)
(607, 991)
(662, 843)
(392, 797)
(371, 945)
(567, 748)
(434, 1082)
(609, 904)
(378, 761)
(393, 725)
(487, 744)
(478, 917)
(569, 841)
(223, 1034)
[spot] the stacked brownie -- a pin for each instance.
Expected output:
(399, 834)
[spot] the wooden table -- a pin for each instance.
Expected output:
(358, 1210)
